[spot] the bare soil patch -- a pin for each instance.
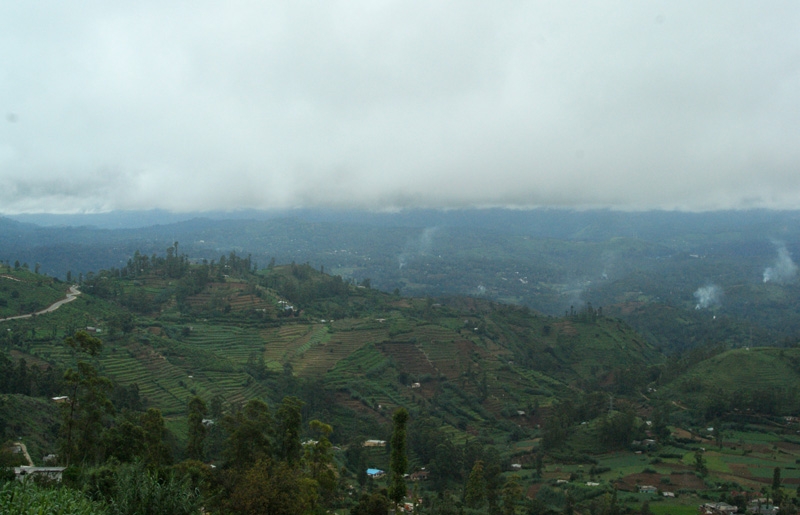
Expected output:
(677, 481)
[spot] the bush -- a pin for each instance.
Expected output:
(27, 497)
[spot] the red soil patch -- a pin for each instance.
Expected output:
(533, 491)
(677, 481)
(566, 328)
(629, 307)
(788, 446)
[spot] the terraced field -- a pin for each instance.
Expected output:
(450, 358)
(160, 383)
(281, 344)
(409, 358)
(230, 342)
(335, 347)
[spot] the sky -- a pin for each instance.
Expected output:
(381, 105)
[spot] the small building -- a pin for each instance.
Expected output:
(420, 475)
(375, 443)
(647, 489)
(51, 473)
(375, 473)
(61, 399)
(762, 506)
(718, 508)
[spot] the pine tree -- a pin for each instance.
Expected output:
(475, 491)
(197, 431)
(398, 461)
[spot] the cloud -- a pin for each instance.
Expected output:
(398, 104)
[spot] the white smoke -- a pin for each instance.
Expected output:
(708, 296)
(784, 270)
(419, 246)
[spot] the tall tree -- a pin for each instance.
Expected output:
(156, 452)
(197, 431)
(475, 491)
(777, 493)
(248, 431)
(288, 421)
(88, 402)
(398, 462)
(319, 459)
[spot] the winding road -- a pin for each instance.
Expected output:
(72, 294)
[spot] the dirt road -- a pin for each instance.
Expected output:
(72, 294)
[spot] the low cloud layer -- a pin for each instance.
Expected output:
(209, 105)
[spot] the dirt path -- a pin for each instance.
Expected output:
(72, 294)
(24, 450)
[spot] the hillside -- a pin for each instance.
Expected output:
(236, 336)
(743, 381)
(482, 381)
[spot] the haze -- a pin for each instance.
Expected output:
(389, 105)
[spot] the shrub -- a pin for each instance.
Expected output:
(28, 497)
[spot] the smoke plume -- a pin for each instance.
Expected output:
(416, 247)
(708, 296)
(784, 270)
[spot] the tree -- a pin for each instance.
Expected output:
(718, 433)
(475, 491)
(398, 462)
(88, 402)
(777, 493)
(273, 488)
(375, 504)
(512, 495)
(700, 463)
(248, 435)
(197, 431)
(83, 342)
(83, 417)
(319, 459)
(288, 421)
(156, 452)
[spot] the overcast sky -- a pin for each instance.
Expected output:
(222, 105)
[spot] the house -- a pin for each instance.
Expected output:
(375, 443)
(52, 473)
(718, 508)
(375, 473)
(647, 489)
(668, 494)
(762, 506)
(516, 466)
(420, 475)
(61, 399)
